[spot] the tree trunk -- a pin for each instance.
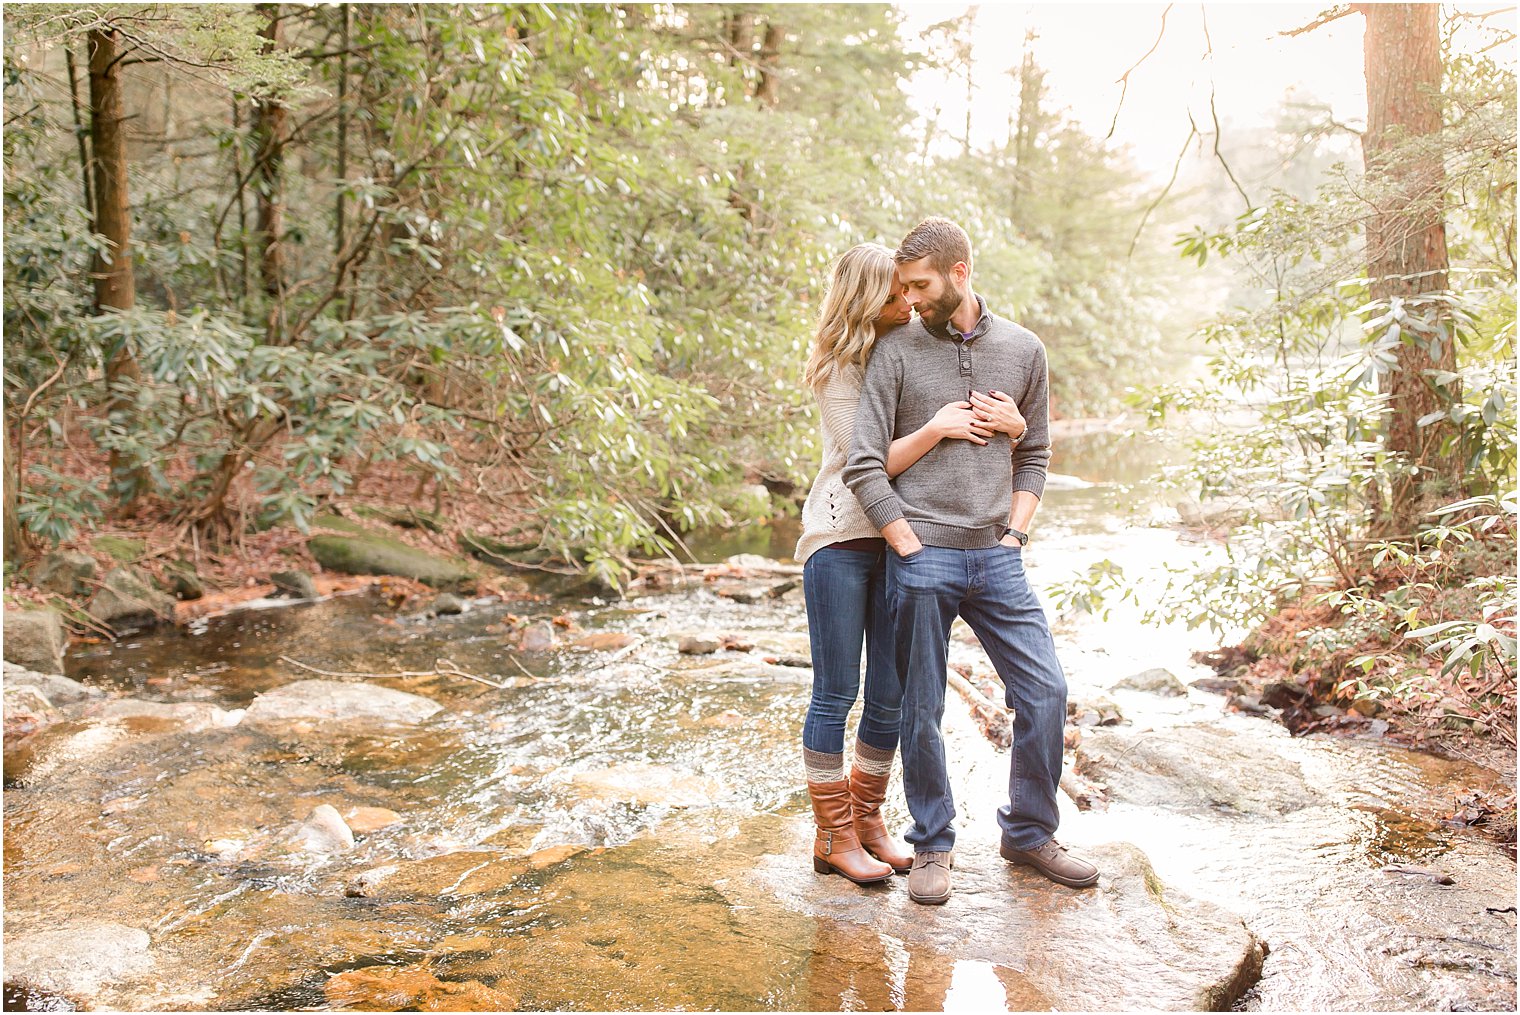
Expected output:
(768, 89)
(15, 541)
(115, 284)
(269, 129)
(1406, 245)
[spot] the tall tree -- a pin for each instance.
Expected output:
(1406, 245)
(115, 284)
(269, 158)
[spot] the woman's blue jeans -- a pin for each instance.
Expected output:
(846, 598)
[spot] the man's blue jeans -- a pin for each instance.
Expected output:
(846, 597)
(988, 588)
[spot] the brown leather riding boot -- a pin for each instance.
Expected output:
(836, 850)
(867, 791)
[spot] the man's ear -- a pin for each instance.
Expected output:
(961, 271)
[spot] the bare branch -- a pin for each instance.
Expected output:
(1325, 17)
(1192, 133)
(1123, 80)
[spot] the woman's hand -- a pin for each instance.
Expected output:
(959, 421)
(997, 411)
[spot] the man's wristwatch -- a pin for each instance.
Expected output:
(1022, 537)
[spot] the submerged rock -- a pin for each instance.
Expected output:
(414, 988)
(35, 639)
(642, 783)
(339, 700)
(692, 645)
(77, 958)
(364, 820)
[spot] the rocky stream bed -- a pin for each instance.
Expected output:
(214, 820)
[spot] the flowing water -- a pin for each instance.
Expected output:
(588, 835)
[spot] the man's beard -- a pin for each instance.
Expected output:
(939, 312)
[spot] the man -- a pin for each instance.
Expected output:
(956, 522)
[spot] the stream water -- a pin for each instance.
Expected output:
(617, 829)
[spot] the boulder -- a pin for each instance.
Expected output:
(66, 572)
(323, 831)
(692, 645)
(27, 710)
(295, 584)
(76, 958)
(35, 639)
(183, 581)
(341, 701)
(1093, 712)
(372, 553)
(538, 637)
(126, 599)
(164, 716)
(1189, 768)
(448, 605)
(1154, 681)
(59, 690)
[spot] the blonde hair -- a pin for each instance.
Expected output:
(859, 285)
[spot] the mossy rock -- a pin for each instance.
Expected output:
(342, 524)
(369, 553)
(120, 548)
(401, 517)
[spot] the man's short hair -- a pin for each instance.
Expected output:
(940, 240)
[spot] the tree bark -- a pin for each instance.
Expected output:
(115, 283)
(269, 129)
(1406, 245)
(768, 89)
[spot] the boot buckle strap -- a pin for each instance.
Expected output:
(828, 843)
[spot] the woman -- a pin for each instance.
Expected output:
(844, 568)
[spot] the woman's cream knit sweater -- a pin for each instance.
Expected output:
(831, 513)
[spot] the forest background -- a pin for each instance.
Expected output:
(541, 277)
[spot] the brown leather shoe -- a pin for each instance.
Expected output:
(866, 795)
(1054, 862)
(836, 850)
(929, 880)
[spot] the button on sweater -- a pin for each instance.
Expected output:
(960, 493)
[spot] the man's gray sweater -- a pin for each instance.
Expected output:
(959, 494)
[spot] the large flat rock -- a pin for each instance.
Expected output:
(341, 701)
(1128, 943)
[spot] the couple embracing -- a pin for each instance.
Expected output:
(936, 444)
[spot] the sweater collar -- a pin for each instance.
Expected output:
(983, 321)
